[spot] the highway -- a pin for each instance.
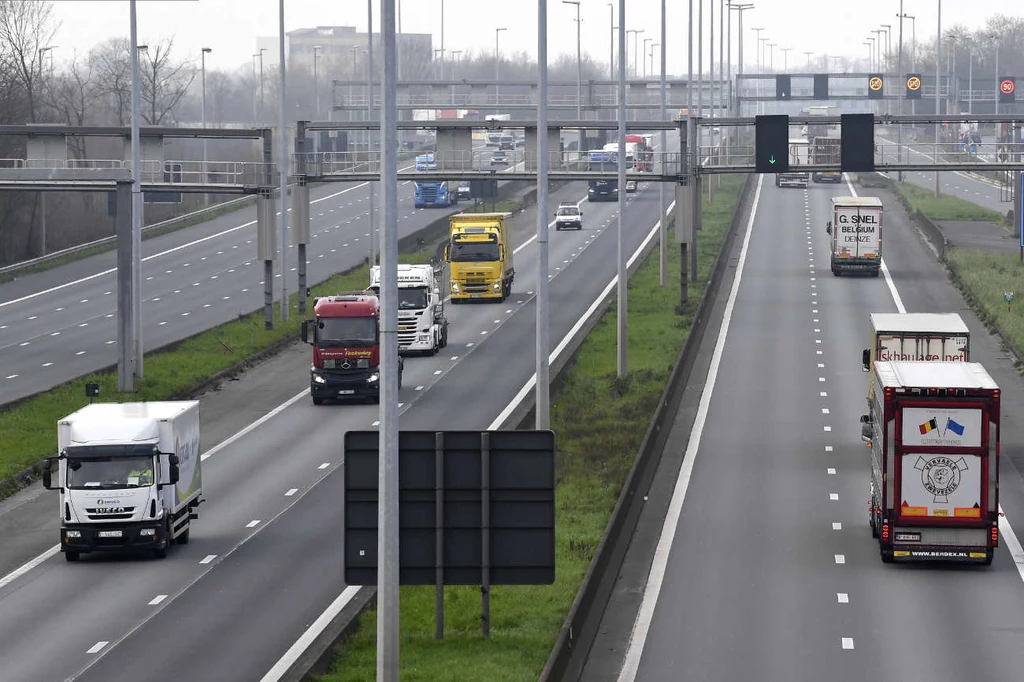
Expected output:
(763, 566)
(265, 557)
(954, 183)
(60, 324)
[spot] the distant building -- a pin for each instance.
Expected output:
(340, 46)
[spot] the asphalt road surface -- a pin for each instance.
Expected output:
(60, 324)
(265, 557)
(766, 569)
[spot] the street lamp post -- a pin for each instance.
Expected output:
(137, 206)
(283, 162)
(636, 34)
(497, 61)
(455, 54)
(316, 80)
(255, 98)
(871, 54)
(888, 44)
(740, 9)
(205, 51)
(808, 55)
(643, 53)
(579, 76)
(42, 195)
(650, 56)
(771, 56)
(262, 50)
(785, 58)
(995, 39)
(611, 43)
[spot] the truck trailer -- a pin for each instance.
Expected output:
(129, 476)
(422, 325)
(933, 434)
(479, 255)
(923, 337)
(856, 229)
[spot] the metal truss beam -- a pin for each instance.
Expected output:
(145, 131)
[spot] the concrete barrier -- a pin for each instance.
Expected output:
(584, 618)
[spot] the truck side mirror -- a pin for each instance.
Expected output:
(865, 359)
(866, 433)
(47, 480)
(865, 419)
(308, 331)
(174, 473)
(501, 250)
(828, 227)
(447, 251)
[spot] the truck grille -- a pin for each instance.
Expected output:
(407, 330)
(109, 513)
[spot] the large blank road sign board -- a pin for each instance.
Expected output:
(514, 471)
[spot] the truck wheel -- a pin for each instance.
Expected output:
(71, 556)
(874, 527)
(160, 553)
(874, 273)
(886, 554)
(444, 336)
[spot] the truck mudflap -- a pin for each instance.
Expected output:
(112, 537)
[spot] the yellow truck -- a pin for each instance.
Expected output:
(479, 257)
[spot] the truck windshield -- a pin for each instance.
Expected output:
(107, 473)
(468, 252)
(346, 331)
(412, 299)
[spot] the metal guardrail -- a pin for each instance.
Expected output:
(14, 267)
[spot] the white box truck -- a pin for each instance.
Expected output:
(923, 337)
(856, 229)
(129, 476)
(422, 325)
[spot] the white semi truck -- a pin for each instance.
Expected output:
(129, 476)
(422, 325)
(856, 230)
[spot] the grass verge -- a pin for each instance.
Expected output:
(983, 278)
(945, 207)
(600, 421)
(29, 427)
(501, 206)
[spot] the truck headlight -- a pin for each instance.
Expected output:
(147, 531)
(319, 379)
(496, 285)
(73, 533)
(455, 287)
(372, 379)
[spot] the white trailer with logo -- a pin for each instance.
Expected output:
(920, 337)
(129, 476)
(422, 325)
(856, 229)
(933, 436)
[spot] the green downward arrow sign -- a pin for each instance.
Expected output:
(772, 159)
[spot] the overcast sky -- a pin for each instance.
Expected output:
(229, 27)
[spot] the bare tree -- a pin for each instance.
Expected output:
(74, 97)
(26, 29)
(112, 75)
(164, 83)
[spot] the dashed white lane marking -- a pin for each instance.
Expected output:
(833, 497)
(827, 428)
(837, 525)
(842, 598)
(824, 410)
(823, 394)
(11, 376)
(821, 379)
(376, 423)
(291, 491)
(840, 558)
(847, 642)
(96, 648)
(831, 471)
(253, 523)
(157, 599)
(323, 465)
(208, 558)
(419, 388)
(828, 448)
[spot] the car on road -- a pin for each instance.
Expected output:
(630, 186)
(568, 216)
(499, 158)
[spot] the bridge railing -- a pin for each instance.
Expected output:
(171, 172)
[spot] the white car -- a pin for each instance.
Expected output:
(630, 186)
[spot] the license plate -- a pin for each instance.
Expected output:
(908, 537)
(110, 533)
(347, 391)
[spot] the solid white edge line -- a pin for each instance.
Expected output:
(1009, 537)
(171, 250)
(28, 566)
(312, 632)
(652, 590)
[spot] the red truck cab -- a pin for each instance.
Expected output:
(345, 335)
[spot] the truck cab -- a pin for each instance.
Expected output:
(345, 335)
(422, 325)
(479, 257)
(799, 155)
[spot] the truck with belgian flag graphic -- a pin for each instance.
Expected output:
(933, 434)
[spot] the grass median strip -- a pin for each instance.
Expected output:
(946, 206)
(29, 427)
(600, 421)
